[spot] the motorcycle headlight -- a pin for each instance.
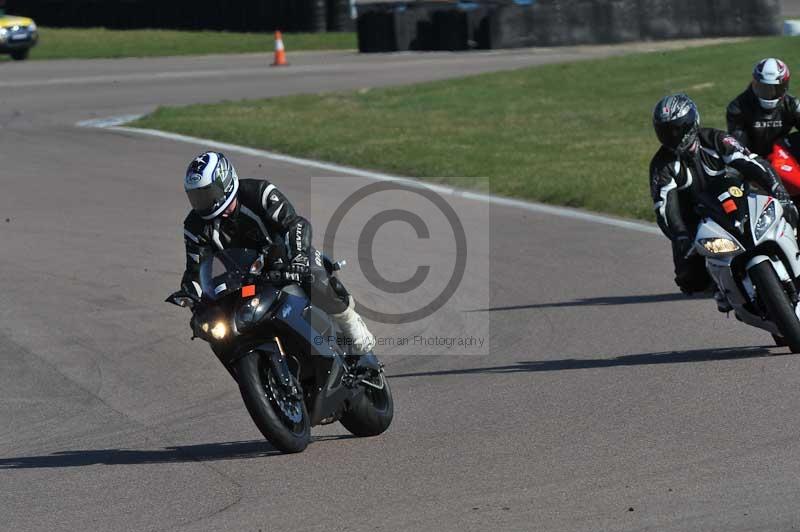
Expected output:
(219, 330)
(719, 245)
(766, 220)
(214, 328)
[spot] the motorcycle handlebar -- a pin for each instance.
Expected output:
(185, 299)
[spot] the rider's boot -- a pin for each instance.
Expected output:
(355, 329)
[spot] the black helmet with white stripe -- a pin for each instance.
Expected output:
(677, 122)
(211, 184)
(770, 81)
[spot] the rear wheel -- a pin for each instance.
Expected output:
(279, 413)
(20, 55)
(372, 412)
(775, 300)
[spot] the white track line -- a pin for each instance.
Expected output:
(105, 123)
(539, 208)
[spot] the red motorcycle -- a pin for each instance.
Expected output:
(784, 159)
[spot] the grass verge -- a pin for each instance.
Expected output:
(89, 43)
(575, 134)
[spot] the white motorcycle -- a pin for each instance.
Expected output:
(752, 255)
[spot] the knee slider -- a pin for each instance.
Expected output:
(339, 289)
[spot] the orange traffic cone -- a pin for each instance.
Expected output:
(280, 52)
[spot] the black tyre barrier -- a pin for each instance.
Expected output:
(502, 24)
(376, 32)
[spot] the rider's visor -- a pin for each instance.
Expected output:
(207, 199)
(679, 134)
(767, 91)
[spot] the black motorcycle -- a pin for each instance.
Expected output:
(293, 365)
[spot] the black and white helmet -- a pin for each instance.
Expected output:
(676, 121)
(770, 81)
(211, 184)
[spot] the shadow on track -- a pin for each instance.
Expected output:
(667, 357)
(601, 301)
(206, 452)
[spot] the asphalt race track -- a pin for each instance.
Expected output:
(603, 401)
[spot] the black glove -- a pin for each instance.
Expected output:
(779, 193)
(297, 270)
(789, 211)
(299, 264)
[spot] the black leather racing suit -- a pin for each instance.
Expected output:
(756, 128)
(263, 216)
(674, 181)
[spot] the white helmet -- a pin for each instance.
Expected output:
(211, 184)
(770, 82)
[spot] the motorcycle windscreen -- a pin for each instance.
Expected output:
(725, 201)
(222, 273)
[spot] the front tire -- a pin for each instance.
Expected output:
(20, 55)
(372, 412)
(281, 418)
(779, 308)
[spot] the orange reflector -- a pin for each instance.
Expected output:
(729, 206)
(249, 290)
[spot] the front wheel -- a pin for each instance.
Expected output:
(779, 308)
(20, 55)
(279, 413)
(372, 412)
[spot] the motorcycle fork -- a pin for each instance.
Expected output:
(280, 366)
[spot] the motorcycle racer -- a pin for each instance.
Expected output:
(762, 117)
(690, 156)
(228, 212)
